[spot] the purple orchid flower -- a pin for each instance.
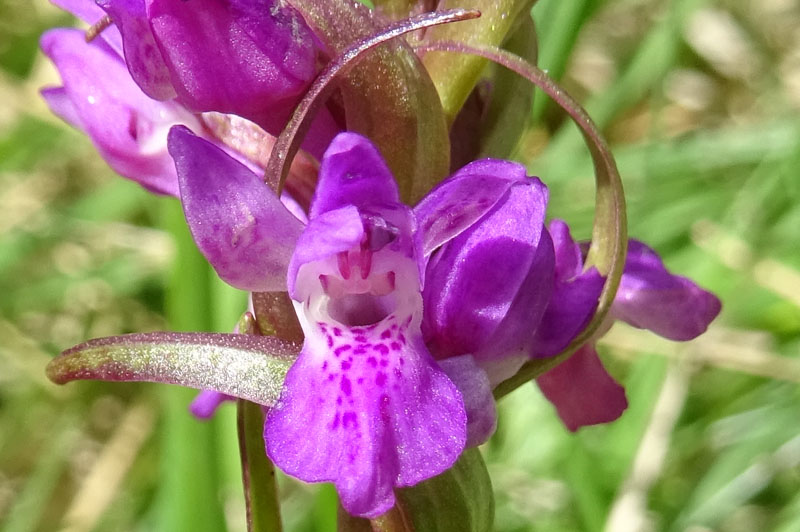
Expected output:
(365, 405)
(98, 96)
(649, 297)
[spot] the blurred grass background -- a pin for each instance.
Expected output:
(701, 101)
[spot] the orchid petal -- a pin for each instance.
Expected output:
(368, 409)
(569, 259)
(582, 390)
(245, 366)
(248, 57)
(206, 403)
(326, 235)
(353, 173)
(240, 226)
(473, 383)
(91, 13)
(570, 309)
(145, 61)
(487, 289)
(120, 120)
(60, 105)
(650, 297)
(463, 199)
(574, 299)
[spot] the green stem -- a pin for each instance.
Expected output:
(258, 473)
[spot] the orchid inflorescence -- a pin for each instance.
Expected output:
(390, 305)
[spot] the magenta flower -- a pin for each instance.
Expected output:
(365, 405)
(649, 297)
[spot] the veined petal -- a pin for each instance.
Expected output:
(145, 61)
(352, 172)
(240, 226)
(487, 289)
(464, 198)
(650, 297)
(368, 409)
(582, 390)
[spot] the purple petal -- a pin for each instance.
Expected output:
(353, 173)
(582, 390)
(569, 260)
(464, 198)
(145, 61)
(238, 223)
(487, 289)
(206, 403)
(127, 127)
(369, 410)
(324, 236)
(650, 297)
(240, 365)
(569, 310)
(253, 58)
(473, 383)
(60, 104)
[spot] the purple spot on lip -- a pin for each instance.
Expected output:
(361, 339)
(384, 363)
(330, 340)
(346, 365)
(360, 350)
(372, 362)
(382, 349)
(401, 338)
(357, 331)
(395, 346)
(380, 378)
(335, 421)
(386, 334)
(337, 331)
(345, 386)
(324, 365)
(349, 419)
(341, 349)
(339, 400)
(360, 380)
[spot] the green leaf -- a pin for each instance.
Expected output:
(458, 500)
(249, 367)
